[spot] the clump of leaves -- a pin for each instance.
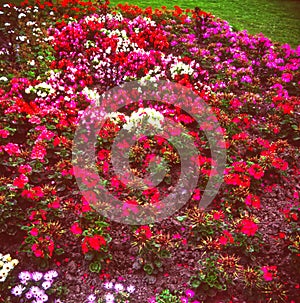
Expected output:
(152, 249)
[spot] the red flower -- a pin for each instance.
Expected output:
(4, 133)
(34, 232)
(95, 242)
(20, 181)
(26, 168)
(223, 240)
(144, 232)
(37, 251)
(218, 215)
(269, 272)
(248, 227)
(75, 229)
(280, 164)
(256, 171)
(252, 200)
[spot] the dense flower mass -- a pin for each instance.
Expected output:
(55, 61)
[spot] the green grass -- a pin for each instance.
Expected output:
(277, 19)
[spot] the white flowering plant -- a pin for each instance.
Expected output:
(114, 293)
(37, 287)
(144, 118)
(7, 264)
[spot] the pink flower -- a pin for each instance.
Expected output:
(189, 293)
(256, 171)
(252, 200)
(20, 181)
(248, 227)
(12, 149)
(269, 272)
(76, 229)
(4, 133)
(26, 168)
(286, 77)
(34, 232)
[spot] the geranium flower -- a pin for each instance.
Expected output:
(256, 171)
(21, 181)
(144, 232)
(252, 200)
(269, 272)
(4, 133)
(248, 227)
(76, 229)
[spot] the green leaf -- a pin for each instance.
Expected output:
(195, 283)
(95, 267)
(181, 218)
(148, 268)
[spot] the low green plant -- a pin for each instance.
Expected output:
(167, 297)
(152, 249)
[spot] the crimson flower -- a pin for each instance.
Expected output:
(256, 171)
(144, 232)
(76, 229)
(252, 200)
(248, 227)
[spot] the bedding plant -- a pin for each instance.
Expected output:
(56, 60)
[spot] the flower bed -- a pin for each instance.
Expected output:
(55, 61)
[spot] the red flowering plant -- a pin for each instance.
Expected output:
(205, 227)
(44, 223)
(42, 241)
(214, 273)
(93, 231)
(152, 248)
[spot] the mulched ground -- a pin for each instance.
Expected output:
(177, 270)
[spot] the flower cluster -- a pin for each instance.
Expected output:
(144, 117)
(7, 264)
(34, 286)
(115, 293)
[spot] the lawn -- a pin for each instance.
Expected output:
(279, 20)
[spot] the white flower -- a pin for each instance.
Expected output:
(35, 290)
(6, 24)
(6, 258)
(17, 290)
(119, 287)
(21, 15)
(108, 285)
(48, 276)
(109, 298)
(44, 297)
(91, 298)
(3, 273)
(25, 275)
(8, 266)
(131, 289)
(37, 276)
(46, 285)
(4, 79)
(29, 295)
